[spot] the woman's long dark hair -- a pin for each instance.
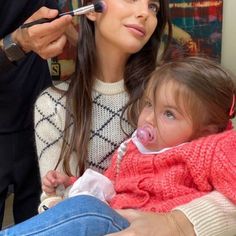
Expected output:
(79, 94)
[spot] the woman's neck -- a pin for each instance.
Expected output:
(110, 66)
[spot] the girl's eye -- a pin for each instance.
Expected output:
(154, 7)
(169, 114)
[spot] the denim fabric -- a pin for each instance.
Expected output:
(81, 215)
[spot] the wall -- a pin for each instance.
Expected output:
(229, 35)
(229, 38)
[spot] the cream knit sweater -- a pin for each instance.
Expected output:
(211, 215)
(106, 135)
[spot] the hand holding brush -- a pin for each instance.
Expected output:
(98, 6)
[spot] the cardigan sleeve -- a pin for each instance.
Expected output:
(214, 214)
(211, 161)
(211, 215)
(223, 166)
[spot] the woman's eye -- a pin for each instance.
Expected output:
(154, 7)
(169, 114)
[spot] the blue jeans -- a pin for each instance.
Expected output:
(81, 215)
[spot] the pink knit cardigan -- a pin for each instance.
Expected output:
(160, 182)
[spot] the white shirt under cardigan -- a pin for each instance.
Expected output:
(211, 215)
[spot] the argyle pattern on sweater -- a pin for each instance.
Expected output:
(106, 134)
(160, 182)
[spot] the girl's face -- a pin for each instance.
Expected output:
(126, 25)
(171, 124)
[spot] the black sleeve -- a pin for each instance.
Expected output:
(14, 13)
(5, 63)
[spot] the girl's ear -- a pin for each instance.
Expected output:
(210, 129)
(92, 16)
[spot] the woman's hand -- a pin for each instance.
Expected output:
(52, 180)
(47, 39)
(154, 224)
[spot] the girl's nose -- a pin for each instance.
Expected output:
(150, 118)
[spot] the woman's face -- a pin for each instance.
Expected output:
(126, 25)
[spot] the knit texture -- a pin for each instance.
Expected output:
(106, 134)
(160, 182)
(211, 215)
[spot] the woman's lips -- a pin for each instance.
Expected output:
(138, 30)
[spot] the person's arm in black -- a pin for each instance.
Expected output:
(47, 40)
(5, 63)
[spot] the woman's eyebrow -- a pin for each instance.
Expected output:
(157, 1)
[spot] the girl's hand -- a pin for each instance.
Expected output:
(52, 180)
(154, 224)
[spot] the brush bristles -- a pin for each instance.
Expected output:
(99, 6)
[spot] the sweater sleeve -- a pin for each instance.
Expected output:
(49, 126)
(211, 215)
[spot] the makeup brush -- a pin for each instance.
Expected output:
(98, 6)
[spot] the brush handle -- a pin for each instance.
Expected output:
(36, 22)
(45, 20)
(97, 7)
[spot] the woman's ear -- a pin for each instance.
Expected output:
(92, 16)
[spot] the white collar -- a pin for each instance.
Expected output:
(144, 150)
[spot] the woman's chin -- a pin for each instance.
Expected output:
(133, 47)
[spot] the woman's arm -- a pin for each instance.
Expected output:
(49, 127)
(210, 215)
(48, 135)
(155, 224)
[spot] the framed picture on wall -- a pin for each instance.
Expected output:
(197, 26)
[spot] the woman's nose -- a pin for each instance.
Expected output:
(142, 10)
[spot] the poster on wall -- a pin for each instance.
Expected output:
(197, 29)
(197, 26)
